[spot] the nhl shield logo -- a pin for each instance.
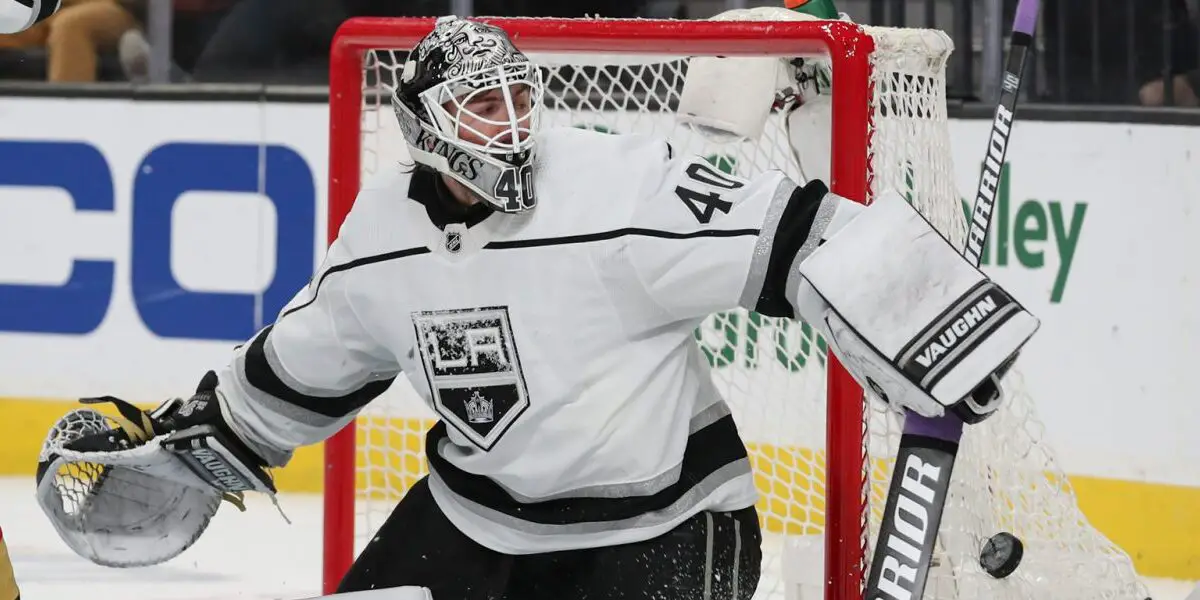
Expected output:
(474, 373)
(453, 241)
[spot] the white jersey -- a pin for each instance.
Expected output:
(557, 347)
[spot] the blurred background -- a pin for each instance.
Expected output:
(1120, 52)
(164, 179)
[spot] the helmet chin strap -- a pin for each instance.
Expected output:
(505, 186)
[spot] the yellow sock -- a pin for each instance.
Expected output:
(8, 582)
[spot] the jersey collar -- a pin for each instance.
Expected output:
(427, 188)
(458, 232)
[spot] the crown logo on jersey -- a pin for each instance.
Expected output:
(479, 409)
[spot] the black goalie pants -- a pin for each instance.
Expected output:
(712, 556)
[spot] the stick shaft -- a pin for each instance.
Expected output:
(997, 147)
(928, 447)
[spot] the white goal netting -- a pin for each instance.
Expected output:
(772, 371)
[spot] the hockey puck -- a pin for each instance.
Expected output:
(1001, 555)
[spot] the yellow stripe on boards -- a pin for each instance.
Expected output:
(24, 424)
(1159, 525)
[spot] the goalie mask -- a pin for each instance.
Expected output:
(468, 104)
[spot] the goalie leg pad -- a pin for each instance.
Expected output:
(730, 96)
(909, 317)
(733, 96)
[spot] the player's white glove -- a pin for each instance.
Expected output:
(906, 314)
(139, 488)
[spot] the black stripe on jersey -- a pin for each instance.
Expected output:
(358, 262)
(707, 450)
(617, 233)
(529, 243)
(260, 375)
(794, 227)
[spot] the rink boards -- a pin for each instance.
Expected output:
(121, 291)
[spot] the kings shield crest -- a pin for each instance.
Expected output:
(473, 369)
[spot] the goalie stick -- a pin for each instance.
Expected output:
(928, 446)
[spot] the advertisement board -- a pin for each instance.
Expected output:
(144, 240)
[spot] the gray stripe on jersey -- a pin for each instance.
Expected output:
(293, 413)
(816, 232)
(238, 413)
(646, 487)
(708, 416)
(766, 239)
(293, 384)
(675, 513)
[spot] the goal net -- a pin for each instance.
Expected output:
(822, 454)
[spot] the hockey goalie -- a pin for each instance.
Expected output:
(539, 288)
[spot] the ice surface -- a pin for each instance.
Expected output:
(252, 555)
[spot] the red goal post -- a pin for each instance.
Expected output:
(848, 48)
